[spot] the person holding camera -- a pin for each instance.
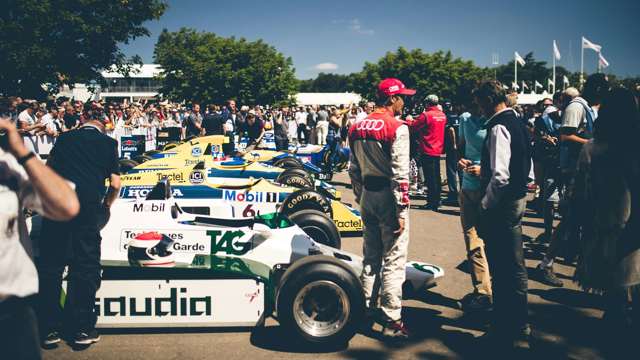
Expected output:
(87, 157)
(25, 183)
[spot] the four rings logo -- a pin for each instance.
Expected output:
(370, 124)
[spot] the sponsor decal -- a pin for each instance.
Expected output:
(324, 176)
(177, 303)
(196, 151)
(188, 162)
(231, 242)
(167, 302)
(129, 148)
(196, 177)
(172, 177)
(250, 196)
(357, 224)
(149, 207)
(143, 192)
(130, 177)
(190, 242)
(130, 142)
(370, 124)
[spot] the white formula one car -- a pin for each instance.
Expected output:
(163, 267)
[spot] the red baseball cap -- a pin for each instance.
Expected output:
(393, 86)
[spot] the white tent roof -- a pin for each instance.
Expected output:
(532, 98)
(144, 71)
(327, 98)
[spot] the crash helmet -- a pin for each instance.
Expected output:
(151, 249)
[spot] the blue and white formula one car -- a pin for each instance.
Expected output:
(163, 267)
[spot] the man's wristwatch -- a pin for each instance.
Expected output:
(23, 159)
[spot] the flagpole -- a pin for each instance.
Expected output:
(515, 69)
(554, 66)
(599, 62)
(581, 60)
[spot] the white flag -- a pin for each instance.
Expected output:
(565, 79)
(602, 61)
(505, 87)
(514, 85)
(519, 59)
(550, 82)
(524, 85)
(556, 51)
(586, 44)
(538, 84)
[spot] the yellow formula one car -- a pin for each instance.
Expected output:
(209, 149)
(201, 190)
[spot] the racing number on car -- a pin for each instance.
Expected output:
(248, 211)
(228, 242)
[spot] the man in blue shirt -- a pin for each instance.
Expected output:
(472, 134)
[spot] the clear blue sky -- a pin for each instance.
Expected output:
(339, 36)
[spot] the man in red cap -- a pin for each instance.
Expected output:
(379, 174)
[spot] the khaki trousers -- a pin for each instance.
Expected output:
(478, 265)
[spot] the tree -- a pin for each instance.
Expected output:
(437, 73)
(204, 67)
(325, 83)
(67, 42)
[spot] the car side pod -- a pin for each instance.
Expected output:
(320, 301)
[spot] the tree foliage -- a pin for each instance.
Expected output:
(204, 67)
(56, 42)
(326, 83)
(437, 73)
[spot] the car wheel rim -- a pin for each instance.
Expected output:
(321, 308)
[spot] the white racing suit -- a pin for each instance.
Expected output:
(379, 174)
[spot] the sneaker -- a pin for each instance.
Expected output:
(51, 339)
(475, 302)
(548, 277)
(372, 316)
(83, 338)
(395, 330)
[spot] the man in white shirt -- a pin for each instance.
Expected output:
(25, 182)
(301, 122)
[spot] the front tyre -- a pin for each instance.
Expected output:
(295, 177)
(318, 226)
(320, 301)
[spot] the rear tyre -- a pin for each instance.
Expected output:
(318, 226)
(320, 301)
(288, 163)
(295, 177)
(125, 165)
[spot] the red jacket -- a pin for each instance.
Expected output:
(429, 128)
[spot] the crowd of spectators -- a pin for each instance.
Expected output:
(291, 124)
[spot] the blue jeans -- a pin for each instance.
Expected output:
(503, 242)
(333, 146)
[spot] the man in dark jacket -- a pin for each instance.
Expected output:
(505, 167)
(87, 157)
